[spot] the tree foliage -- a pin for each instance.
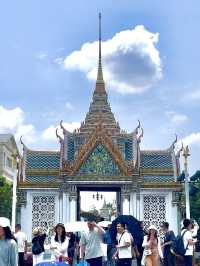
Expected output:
(5, 198)
(195, 210)
(195, 205)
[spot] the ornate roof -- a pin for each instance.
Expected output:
(99, 136)
(156, 159)
(41, 178)
(42, 160)
(158, 178)
(100, 150)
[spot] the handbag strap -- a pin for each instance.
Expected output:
(120, 237)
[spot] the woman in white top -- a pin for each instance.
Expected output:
(8, 246)
(152, 247)
(59, 244)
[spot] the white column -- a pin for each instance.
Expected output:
(187, 196)
(138, 208)
(126, 206)
(72, 217)
(132, 203)
(14, 201)
(64, 208)
(172, 214)
(26, 217)
(60, 206)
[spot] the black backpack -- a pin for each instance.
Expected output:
(178, 245)
(36, 247)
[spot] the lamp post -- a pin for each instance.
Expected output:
(186, 154)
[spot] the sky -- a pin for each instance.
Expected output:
(150, 55)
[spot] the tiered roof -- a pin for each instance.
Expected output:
(100, 108)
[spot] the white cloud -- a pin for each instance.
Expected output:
(59, 60)
(41, 55)
(179, 119)
(13, 121)
(131, 62)
(176, 118)
(10, 118)
(193, 138)
(69, 106)
(50, 132)
(28, 132)
(191, 96)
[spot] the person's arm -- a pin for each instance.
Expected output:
(189, 238)
(13, 254)
(63, 248)
(100, 231)
(160, 249)
(145, 243)
(25, 246)
(82, 252)
(82, 246)
(170, 239)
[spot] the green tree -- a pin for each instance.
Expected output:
(195, 204)
(5, 198)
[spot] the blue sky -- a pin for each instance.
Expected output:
(151, 65)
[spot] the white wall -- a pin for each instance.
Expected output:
(26, 211)
(137, 206)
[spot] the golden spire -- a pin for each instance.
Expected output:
(100, 72)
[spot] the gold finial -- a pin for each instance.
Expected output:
(100, 72)
(186, 154)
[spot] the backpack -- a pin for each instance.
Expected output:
(36, 247)
(178, 245)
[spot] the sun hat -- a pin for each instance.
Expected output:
(35, 231)
(4, 222)
(152, 227)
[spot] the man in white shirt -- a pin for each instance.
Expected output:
(188, 242)
(22, 243)
(123, 253)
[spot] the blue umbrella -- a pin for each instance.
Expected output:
(52, 263)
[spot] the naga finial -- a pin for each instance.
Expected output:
(58, 136)
(179, 151)
(22, 143)
(141, 135)
(137, 128)
(62, 127)
(172, 146)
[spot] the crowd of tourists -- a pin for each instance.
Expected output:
(71, 248)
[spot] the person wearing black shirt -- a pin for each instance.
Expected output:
(38, 241)
(169, 258)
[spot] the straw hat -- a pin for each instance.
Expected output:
(4, 222)
(36, 231)
(152, 227)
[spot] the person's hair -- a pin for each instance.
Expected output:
(122, 224)
(91, 219)
(155, 235)
(186, 223)
(8, 233)
(165, 225)
(63, 235)
(18, 226)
